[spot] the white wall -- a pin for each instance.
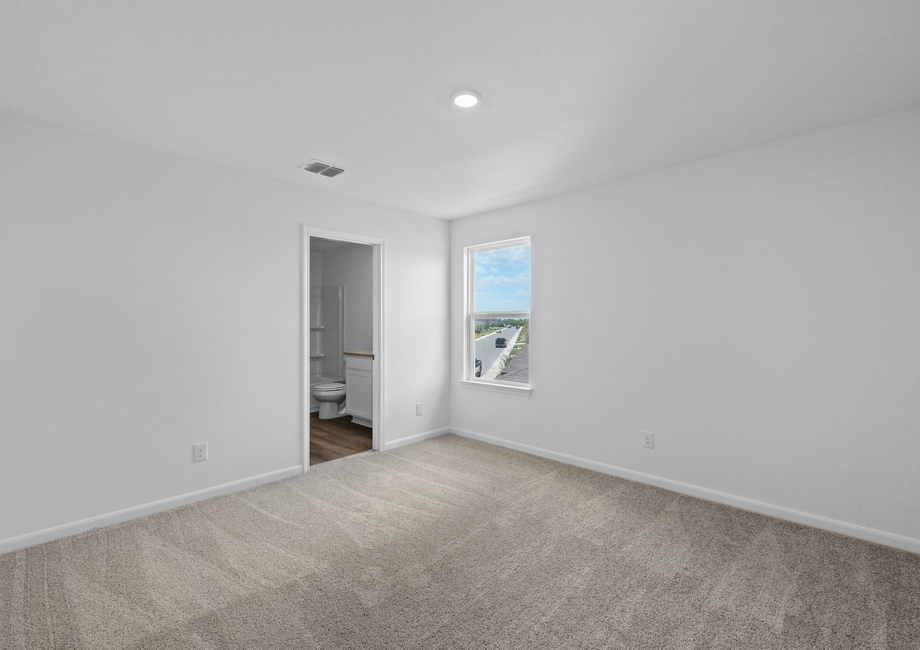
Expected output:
(149, 302)
(352, 267)
(759, 312)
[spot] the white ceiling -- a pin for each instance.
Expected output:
(575, 92)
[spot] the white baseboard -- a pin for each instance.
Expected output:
(816, 521)
(416, 438)
(66, 530)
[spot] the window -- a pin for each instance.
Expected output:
(498, 316)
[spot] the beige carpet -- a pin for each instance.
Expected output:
(452, 543)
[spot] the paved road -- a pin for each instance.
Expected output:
(486, 350)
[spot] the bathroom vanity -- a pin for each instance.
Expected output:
(359, 387)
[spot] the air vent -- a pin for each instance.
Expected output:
(321, 168)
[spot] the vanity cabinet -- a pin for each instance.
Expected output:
(359, 389)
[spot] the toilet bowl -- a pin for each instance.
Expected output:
(331, 398)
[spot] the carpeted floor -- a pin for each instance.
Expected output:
(453, 543)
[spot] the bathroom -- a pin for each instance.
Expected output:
(341, 348)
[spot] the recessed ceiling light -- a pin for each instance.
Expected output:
(466, 98)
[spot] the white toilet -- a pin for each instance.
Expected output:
(331, 398)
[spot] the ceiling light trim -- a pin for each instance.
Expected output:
(466, 99)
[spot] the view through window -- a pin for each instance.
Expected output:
(499, 312)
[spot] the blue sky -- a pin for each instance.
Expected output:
(502, 279)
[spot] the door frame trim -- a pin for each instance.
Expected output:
(379, 340)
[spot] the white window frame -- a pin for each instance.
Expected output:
(469, 380)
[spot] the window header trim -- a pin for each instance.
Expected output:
(507, 243)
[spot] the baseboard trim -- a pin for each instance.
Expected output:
(816, 521)
(66, 530)
(416, 438)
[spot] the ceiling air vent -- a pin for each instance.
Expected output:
(321, 168)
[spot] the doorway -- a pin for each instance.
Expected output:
(342, 344)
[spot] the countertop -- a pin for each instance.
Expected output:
(363, 353)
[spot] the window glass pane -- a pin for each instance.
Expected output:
(501, 279)
(502, 349)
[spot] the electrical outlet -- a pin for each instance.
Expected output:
(418, 408)
(648, 439)
(200, 452)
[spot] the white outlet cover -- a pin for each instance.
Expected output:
(200, 452)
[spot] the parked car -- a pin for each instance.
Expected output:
(501, 342)
(478, 367)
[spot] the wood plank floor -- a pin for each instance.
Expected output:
(336, 438)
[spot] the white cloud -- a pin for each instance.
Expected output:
(479, 269)
(501, 281)
(494, 270)
(521, 293)
(506, 305)
(513, 255)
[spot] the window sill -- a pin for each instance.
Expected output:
(523, 391)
